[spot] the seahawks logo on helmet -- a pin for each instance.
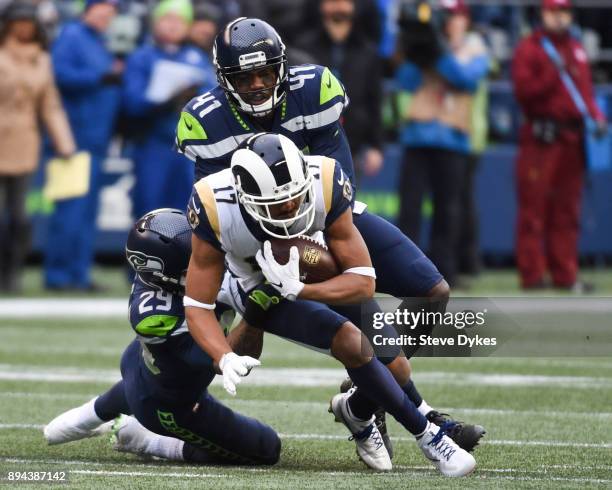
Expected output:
(144, 263)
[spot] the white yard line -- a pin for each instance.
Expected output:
(63, 307)
(322, 406)
(117, 307)
(417, 470)
(333, 437)
(310, 377)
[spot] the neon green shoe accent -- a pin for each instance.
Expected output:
(189, 129)
(330, 87)
(262, 299)
(158, 325)
(117, 424)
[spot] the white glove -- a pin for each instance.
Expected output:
(233, 367)
(284, 278)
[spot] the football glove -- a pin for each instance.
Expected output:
(284, 278)
(233, 367)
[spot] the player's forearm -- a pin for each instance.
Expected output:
(206, 331)
(344, 289)
(246, 340)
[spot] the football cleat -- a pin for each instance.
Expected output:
(370, 446)
(379, 418)
(77, 423)
(444, 453)
(129, 436)
(465, 435)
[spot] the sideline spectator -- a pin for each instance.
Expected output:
(27, 94)
(551, 160)
(206, 23)
(353, 59)
(436, 137)
(163, 176)
(88, 77)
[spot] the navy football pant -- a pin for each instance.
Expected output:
(213, 433)
(315, 324)
(402, 269)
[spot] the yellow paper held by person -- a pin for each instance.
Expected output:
(68, 177)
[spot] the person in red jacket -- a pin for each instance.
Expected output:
(551, 161)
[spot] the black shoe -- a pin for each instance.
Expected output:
(465, 435)
(579, 287)
(380, 419)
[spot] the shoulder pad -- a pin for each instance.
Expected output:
(319, 96)
(194, 119)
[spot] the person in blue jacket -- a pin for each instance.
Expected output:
(88, 78)
(436, 136)
(160, 77)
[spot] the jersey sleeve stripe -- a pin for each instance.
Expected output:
(207, 198)
(327, 179)
(314, 121)
(195, 148)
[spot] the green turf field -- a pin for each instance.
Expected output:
(548, 420)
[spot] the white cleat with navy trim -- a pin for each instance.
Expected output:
(370, 446)
(444, 453)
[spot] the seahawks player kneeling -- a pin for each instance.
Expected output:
(165, 374)
(273, 190)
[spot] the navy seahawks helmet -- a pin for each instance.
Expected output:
(269, 170)
(158, 248)
(244, 45)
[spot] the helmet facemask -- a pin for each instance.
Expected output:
(265, 179)
(250, 63)
(259, 208)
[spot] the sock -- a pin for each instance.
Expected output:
(165, 447)
(112, 403)
(378, 384)
(412, 393)
(424, 408)
(87, 417)
(361, 406)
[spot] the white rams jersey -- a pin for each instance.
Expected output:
(216, 216)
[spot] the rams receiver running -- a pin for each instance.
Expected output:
(273, 190)
(259, 91)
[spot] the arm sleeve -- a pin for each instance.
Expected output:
(342, 195)
(532, 74)
(409, 76)
(200, 221)
(332, 143)
(135, 82)
(54, 118)
(70, 73)
(463, 76)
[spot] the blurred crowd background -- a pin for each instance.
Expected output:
(460, 126)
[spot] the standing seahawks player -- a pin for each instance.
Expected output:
(272, 190)
(257, 92)
(164, 372)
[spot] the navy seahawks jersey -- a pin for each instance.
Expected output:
(211, 127)
(217, 217)
(173, 365)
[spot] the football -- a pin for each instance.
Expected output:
(317, 264)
